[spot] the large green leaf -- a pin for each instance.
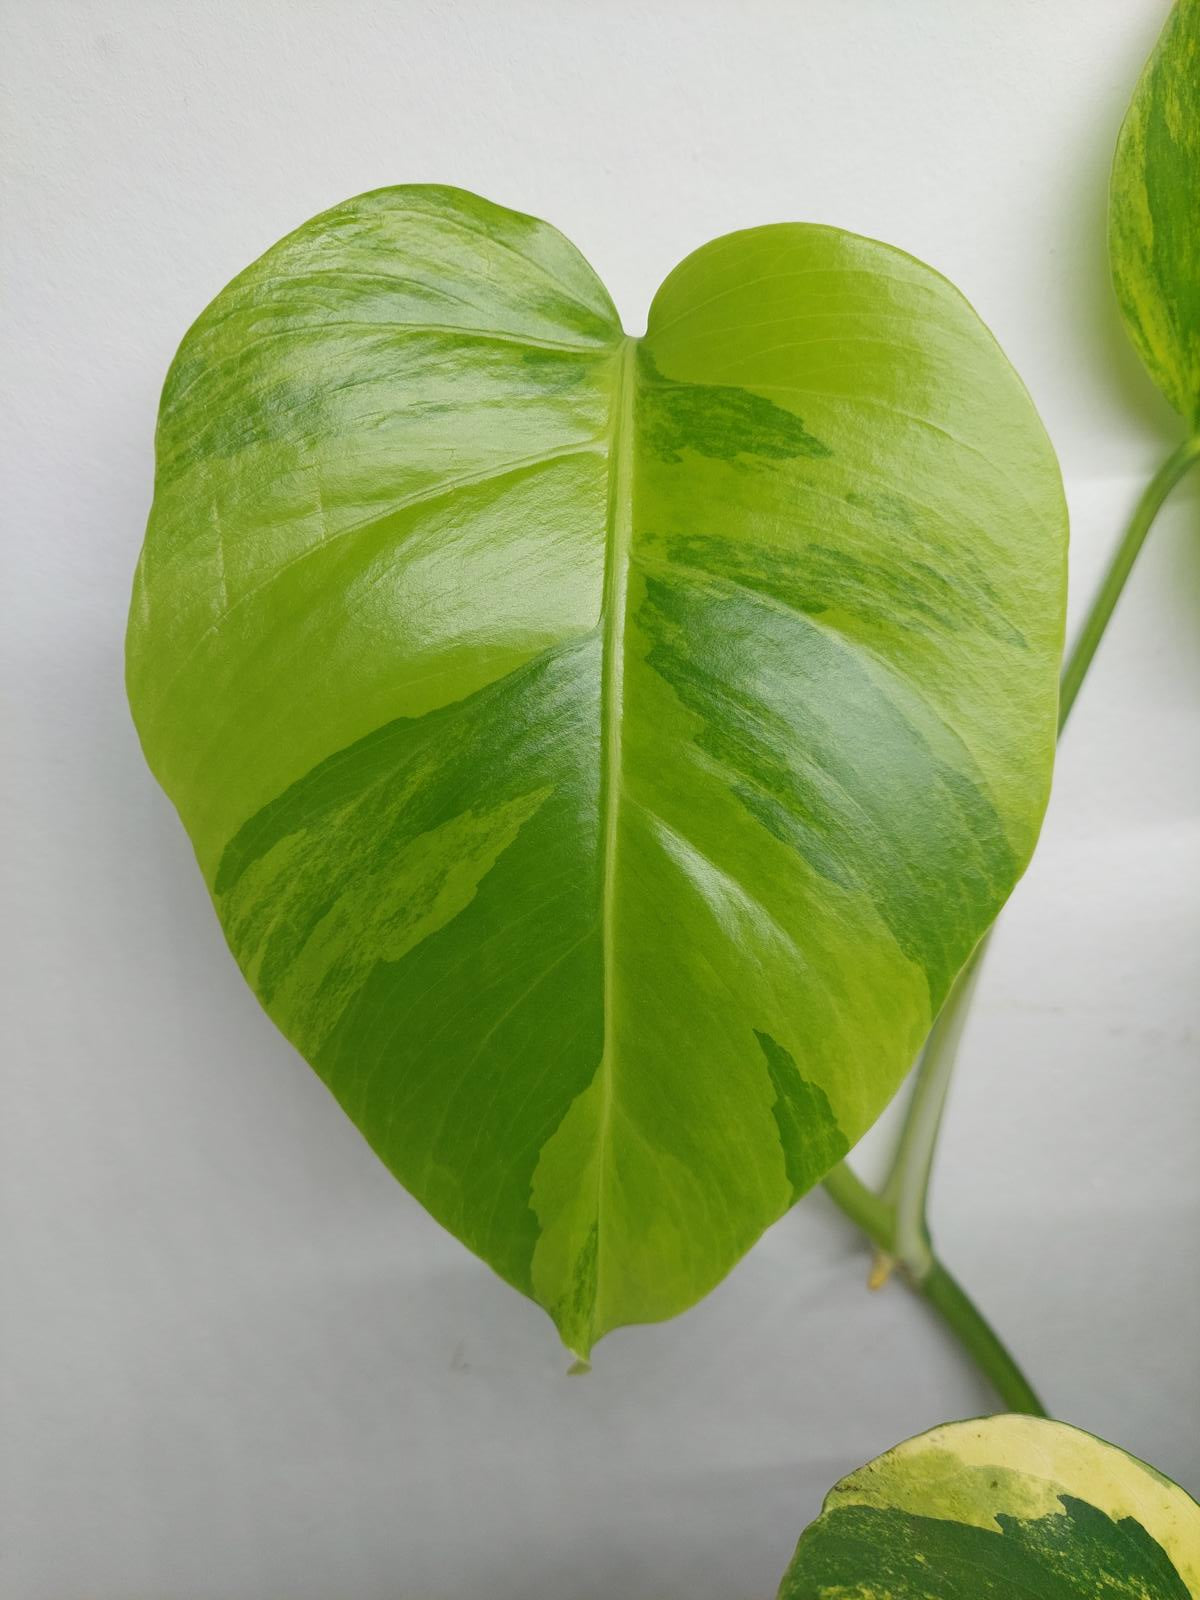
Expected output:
(1154, 213)
(603, 752)
(1006, 1508)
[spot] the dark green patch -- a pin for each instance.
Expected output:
(1080, 1554)
(794, 819)
(719, 421)
(457, 1059)
(819, 753)
(898, 590)
(808, 1130)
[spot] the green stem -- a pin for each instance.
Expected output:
(912, 1166)
(896, 1220)
(858, 1201)
(940, 1288)
(1119, 568)
(978, 1338)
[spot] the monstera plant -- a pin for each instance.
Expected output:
(603, 752)
(607, 754)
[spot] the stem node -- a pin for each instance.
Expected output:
(882, 1267)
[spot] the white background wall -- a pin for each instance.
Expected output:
(236, 1360)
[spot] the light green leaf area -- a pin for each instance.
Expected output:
(603, 752)
(1154, 218)
(1000, 1508)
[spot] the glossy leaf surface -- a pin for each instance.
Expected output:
(602, 752)
(1001, 1507)
(1154, 216)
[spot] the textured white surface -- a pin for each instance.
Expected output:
(236, 1360)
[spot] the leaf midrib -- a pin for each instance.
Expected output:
(619, 534)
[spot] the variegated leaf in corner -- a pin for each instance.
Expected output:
(1004, 1508)
(1154, 213)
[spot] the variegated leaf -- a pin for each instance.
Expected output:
(1154, 213)
(603, 752)
(1004, 1508)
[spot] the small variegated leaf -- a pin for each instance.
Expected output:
(603, 752)
(1154, 213)
(1004, 1508)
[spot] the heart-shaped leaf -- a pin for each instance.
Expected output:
(1154, 213)
(603, 752)
(1001, 1508)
